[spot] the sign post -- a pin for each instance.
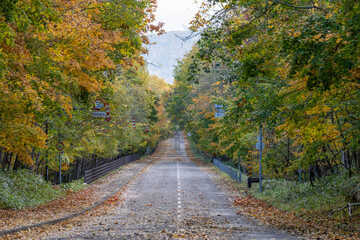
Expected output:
(107, 118)
(260, 146)
(60, 147)
(134, 123)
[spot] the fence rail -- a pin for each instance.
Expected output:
(95, 173)
(232, 172)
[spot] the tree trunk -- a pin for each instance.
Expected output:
(318, 170)
(357, 160)
(78, 168)
(3, 163)
(9, 162)
(17, 163)
(1, 155)
(349, 163)
(37, 162)
(311, 175)
(40, 166)
(32, 158)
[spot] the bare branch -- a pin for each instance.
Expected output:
(187, 38)
(157, 65)
(349, 206)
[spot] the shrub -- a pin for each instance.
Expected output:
(328, 193)
(21, 189)
(74, 186)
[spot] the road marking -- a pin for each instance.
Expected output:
(209, 175)
(179, 193)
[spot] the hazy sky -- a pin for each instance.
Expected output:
(176, 14)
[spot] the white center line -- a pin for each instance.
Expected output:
(179, 193)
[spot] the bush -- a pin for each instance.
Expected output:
(74, 186)
(21, 189)
(328, 193)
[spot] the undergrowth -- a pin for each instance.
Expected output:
(328, 193)
(22, 189)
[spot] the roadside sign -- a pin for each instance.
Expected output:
(219, 110)
(258, 145)
(98, 104)
(146, 128)
(65, 158)
(99, 114)
(60, 146)
(134, 123)
(219, 114)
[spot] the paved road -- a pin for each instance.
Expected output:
(173, 199)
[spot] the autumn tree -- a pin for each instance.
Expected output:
(57, 58)
(292, 68)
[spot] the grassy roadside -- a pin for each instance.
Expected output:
(301, 209)
(328, 193)
(22, 189)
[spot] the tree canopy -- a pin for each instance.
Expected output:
(56, 59)
(291, 67)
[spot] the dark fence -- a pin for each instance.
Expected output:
(95, 173)
(232, 172)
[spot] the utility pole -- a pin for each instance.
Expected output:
(260, 170)
(260, 147)
(239, 166)
(59, 161)
(47, 153)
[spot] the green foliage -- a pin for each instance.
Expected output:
(7, 7)
(56, 59)
(292, 69)
(23, 189)
(329, 193)
(74, 186)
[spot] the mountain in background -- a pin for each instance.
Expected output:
(162, 56)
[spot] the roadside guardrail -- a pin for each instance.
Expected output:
(232, 172)
(95, 173)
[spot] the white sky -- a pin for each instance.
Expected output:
(176, 14)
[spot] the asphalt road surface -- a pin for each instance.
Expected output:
(172, 199)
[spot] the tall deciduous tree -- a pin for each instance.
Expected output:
(292, 68)
(56, 58)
